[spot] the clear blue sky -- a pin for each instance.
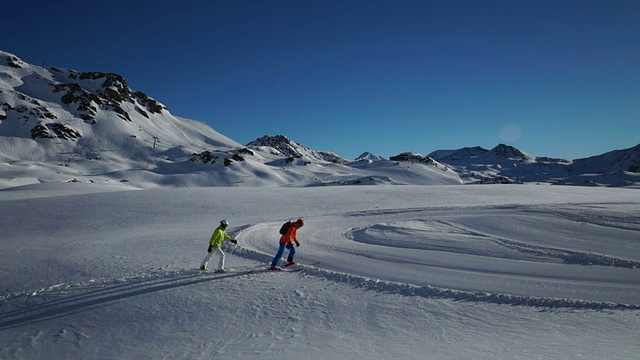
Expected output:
(551, 77)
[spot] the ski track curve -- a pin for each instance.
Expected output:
(449, 223)
(34, 306)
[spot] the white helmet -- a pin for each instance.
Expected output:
(224, 223)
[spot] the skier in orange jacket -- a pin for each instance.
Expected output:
(286, 241)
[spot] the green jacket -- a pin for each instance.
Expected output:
(219, 235)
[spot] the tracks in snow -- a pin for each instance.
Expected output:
(515, 255)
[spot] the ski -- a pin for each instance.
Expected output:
(233, 270)
(256, 268)
(294, 267)
(286, 269)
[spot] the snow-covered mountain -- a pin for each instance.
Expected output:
(367, 156)
(63, 125)
(613, 161)
(507, 164)
(283, 146)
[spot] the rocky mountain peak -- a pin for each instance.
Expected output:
(286, 147)
(369, 157)
(91, 91)
(508, 152)
(412, 156)
(46, 103)
(281, 143)
(458, 154)
(11, 60)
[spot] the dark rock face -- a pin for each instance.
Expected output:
(152, 105)
(27, 112)
(288, 148)
(110, 94)
(508, 152)
(87, 102)
(279, 142)
(237, 157)
(61, 131)
(246, 151)
(13, 62)
(413, 157)
(40, 132)
(88, 96)
(206, 157)
(114, 89)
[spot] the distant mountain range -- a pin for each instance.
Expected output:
(63, 125)
(507, 164)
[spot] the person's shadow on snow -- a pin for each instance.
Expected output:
(33, 307)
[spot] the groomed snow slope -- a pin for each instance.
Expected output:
(405, 272)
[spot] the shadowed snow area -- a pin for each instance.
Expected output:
(407, 272)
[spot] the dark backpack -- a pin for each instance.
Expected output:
(285, 227)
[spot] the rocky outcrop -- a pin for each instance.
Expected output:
(61, 131)
(14, 62)
(205, 157)
(414, 157)
(283, 146)
(28, 92)
(508, 152)
(281, 143)
(152, 105)
(87, 103)
(108, 91)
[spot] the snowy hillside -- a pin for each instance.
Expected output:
(506, 164)
(405, 272)
(61, 125)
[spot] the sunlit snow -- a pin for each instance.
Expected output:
(406, 272)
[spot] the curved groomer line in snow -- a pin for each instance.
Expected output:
(492, 254)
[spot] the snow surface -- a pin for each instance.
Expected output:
(91, 271)
(102, 235)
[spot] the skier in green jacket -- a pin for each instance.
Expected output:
(215, 245)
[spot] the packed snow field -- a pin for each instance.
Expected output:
(404, 272)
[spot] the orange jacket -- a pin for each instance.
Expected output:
(290, 235)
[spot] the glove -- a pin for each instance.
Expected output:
(234, 241)
(297, 244)
(210, 248)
